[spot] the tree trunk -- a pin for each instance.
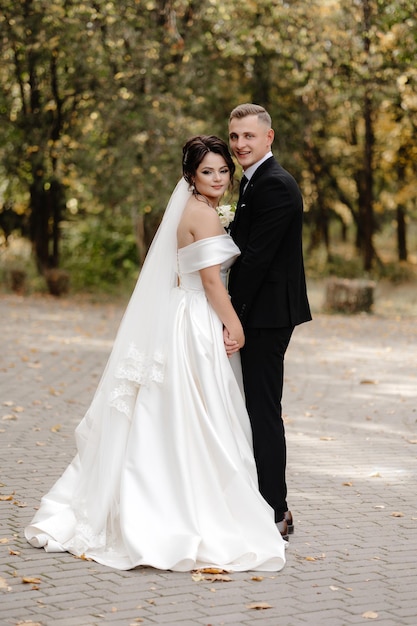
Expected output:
(401, 234)
(39, 223)
(367, 190)
(367, 198)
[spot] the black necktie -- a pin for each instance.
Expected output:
(242, 185)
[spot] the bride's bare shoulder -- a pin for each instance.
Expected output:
(198, 221)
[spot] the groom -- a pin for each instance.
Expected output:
(268, 290)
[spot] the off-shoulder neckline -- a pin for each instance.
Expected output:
(200, 240)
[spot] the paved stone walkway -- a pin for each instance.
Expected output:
(351, 414)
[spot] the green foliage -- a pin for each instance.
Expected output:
(97, 99)
(101, 254)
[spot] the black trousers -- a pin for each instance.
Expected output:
(263, 378)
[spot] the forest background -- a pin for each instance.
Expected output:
(97, 98)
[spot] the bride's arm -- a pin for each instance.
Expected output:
(219, 299)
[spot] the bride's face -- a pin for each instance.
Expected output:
(212, 177)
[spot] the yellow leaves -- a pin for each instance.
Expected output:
(6, 498)
(56, 428)
(259, 606)
(14, 552)
(370, 615)
(31, 580)
(4, 585)
(312, 559)
(11, 498)
(397, 514)
(211, 574)
(14, 408)
(9, 416)
(83, 557)
(224, 578)
(20, 504)
(34, 581)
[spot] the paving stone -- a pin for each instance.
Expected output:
(350, 406)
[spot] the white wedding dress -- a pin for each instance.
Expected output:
(181, 492)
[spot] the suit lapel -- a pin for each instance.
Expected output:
(243, 197)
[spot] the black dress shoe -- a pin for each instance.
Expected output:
(283, 528)
(290, 522)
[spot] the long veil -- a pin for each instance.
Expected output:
(137, 358)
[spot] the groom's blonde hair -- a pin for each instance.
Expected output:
(243, 110)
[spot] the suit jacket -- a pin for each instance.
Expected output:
(267, 282)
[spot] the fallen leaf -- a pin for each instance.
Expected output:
(212, 570)
(6, 498)
(370, 615)
(138, 620)
(310, 558)
(114, 609)
(31, 580)
(220, 577)
(56, 428)
(18, 409)
(411, 440)
(397, 514)
(4, 585)
(28, 623)
(8, 403)
(259, 606)
(197, 577)
(375, 475)
(14, 553)
(333, 588)
(4, 540)
(326, 438)
(9, 417)
(368, 382)
(257, 578)
(150, 601)
(347, 484)
(20, 504)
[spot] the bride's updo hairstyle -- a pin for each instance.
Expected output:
(196, 149)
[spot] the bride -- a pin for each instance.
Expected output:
(164, 474)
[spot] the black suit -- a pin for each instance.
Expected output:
(268, 291)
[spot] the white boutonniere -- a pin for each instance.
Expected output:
(226, 213)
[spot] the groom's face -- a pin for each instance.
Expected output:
(250, 139)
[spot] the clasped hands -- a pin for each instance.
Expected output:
(232, 344)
